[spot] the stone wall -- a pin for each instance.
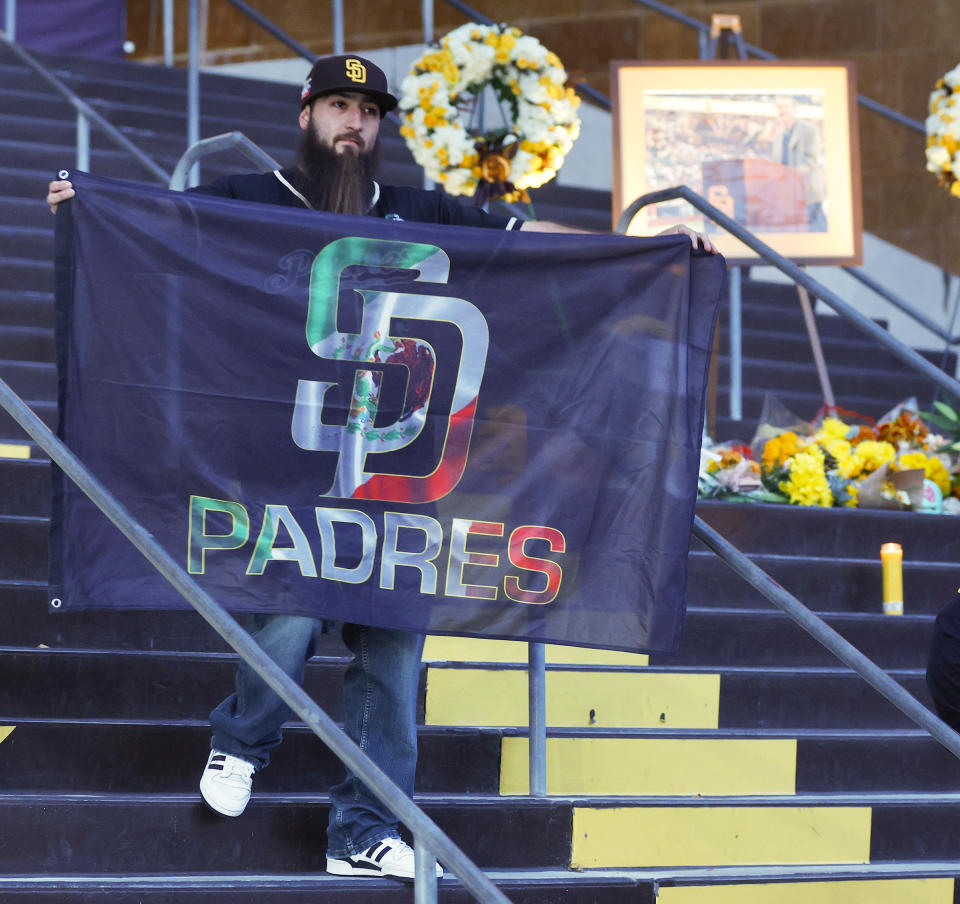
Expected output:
(900, 48)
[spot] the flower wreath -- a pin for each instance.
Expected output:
(440, 95)
(943, 131)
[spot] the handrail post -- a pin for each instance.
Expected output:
(426, 14)
(338, 43)
(736, 343)
(10, 19)
(83, 142)
(424, 873)
(193, 90)
(537, 722)
(168, 33)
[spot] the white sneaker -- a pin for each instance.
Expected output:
(226, 783)
(390, 857)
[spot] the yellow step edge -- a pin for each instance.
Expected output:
(847, 891)
(656, 766)
(5, 732)
(478, 649)
(490, 697)
(728, 836)
(14, 450)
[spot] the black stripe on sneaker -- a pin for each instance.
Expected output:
(383, 853)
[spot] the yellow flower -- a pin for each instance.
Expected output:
(854, 492)
(910, 460)
(850, 466)
(407, 132)
(838, 448)
(507, 41)
(832, 428)
(933, 469)
(807, 484)
(874, 453)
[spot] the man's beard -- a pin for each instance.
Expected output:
(338, 183)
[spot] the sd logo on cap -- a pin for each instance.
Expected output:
(356, 71)
(348, 73)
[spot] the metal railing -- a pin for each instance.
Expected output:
(85, 116)
(430, 840)
(736, 560)
(758, 52)
(225, 142)
(265, 23)
(817, 628)
(799, 276)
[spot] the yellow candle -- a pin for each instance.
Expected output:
(891, 557)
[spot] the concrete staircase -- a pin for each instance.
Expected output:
(749, 766)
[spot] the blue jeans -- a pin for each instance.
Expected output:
(380, 707)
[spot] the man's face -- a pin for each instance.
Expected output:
(347, 122)
(786, 111)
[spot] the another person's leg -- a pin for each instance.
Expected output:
(247, 725)
(943, 664)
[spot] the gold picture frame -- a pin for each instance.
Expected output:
(772, 144)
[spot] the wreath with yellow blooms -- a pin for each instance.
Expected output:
(943, 131)
(441, 111)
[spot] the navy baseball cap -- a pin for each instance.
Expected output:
(347, 73)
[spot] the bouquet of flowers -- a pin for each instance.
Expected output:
(895, 464)
(440, 110)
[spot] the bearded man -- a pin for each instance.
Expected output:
(342, 104)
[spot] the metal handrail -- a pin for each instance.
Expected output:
(848, 654)
(85, 115)
(602, 100)
(280, 34)
(431, 840)
(215, 144)
(734, 558)
(906, 354)
(581, 87)
(903, 305)
(762, 54)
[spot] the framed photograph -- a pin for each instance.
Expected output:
(772, 144)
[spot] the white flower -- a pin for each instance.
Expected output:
(952, 78)
(937, 158)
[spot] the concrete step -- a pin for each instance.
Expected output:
(66, 684)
